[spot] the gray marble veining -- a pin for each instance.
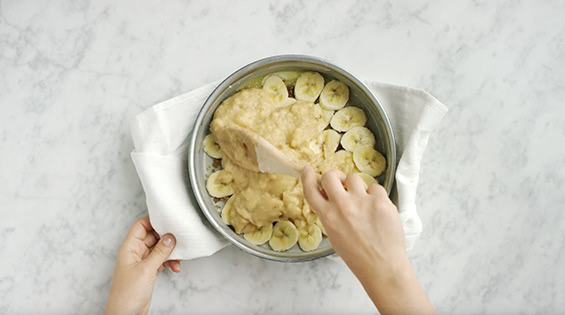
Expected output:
(491, 194)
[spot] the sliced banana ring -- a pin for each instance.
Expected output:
(319, 224)
(322, 116)
(261, 236)
(326, 143)
(357, 137)
(226, 210)
(308, 213)
(288, 77)
(308, 86)
(347, 118)
(299, 223)
(309, 237)
(289, 101)
(368, 179)
(211, 147)
(327, 116)
(219, 184)
(334, 95)
(344, 156)
(285, 235)
(369, 161)
(275, 87)
(329, 141)
(341, 160)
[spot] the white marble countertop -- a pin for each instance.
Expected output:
(491, 193)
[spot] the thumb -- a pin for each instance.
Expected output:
(161, 252)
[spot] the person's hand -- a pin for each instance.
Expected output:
(364, 228)
(362, 223)
(140, 259)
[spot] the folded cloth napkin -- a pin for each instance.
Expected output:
(160, 135)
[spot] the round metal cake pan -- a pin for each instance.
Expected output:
(199, 164)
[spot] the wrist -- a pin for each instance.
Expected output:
(397, 277)
(393, 287)
(386, 276)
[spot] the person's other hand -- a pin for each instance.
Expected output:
(140, 259)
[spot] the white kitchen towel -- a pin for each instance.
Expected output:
(160, 135)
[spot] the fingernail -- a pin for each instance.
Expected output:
(168, 240)
(305, 169)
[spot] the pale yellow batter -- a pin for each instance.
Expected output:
(261, 199)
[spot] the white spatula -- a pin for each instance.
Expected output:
(262, 153)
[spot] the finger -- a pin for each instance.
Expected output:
(312, 193)
(160, 252)
(157, 238)
(139, 229)
(355, 183)
(150, 240)
(332, 182)
(174, 265)
(377, 190)
(166, 264)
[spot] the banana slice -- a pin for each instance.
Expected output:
(344, 156)
(327, 116)
(261, 236)
(309, 237)
(308, 86)
(323, 117)
(357, 137)
(327, 142)
(285, 235)
(334, 95)
(347, 118)
(226, 211)
(289, 101)
(345, 161)
(308, 213)
(299, 223)
(369, 161)
(319, 224)
(211, 147)
(341, 160)
(288, 77)
(368, 179)
(275, 87)
(219, 184)
(331, 141)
